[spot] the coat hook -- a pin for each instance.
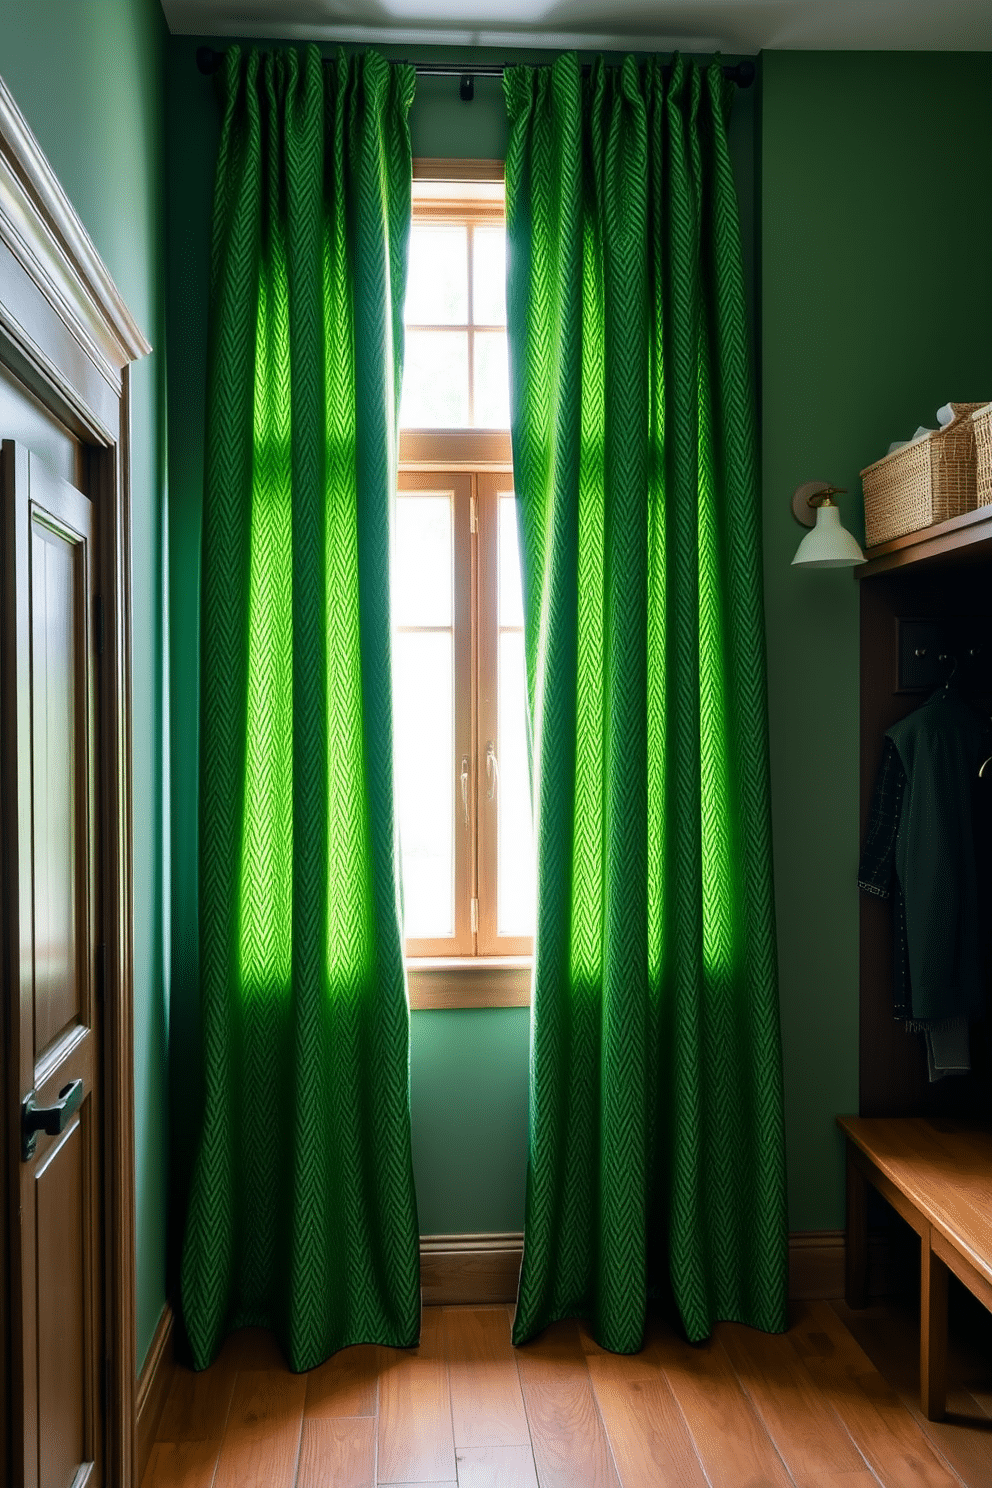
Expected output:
(952, 658)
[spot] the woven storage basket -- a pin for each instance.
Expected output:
(924, 482)
(982, 421)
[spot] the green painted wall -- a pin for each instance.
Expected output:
(469, 1101)
(89, 79)
(875, 221)
(191, 133)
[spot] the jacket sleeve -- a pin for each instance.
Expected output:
(878, 852)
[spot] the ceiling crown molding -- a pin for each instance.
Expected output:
(740, 28)
(42, 231)
(446, 36)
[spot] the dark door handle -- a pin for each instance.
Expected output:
(49, 1119)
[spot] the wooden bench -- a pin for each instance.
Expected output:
(938, 1175)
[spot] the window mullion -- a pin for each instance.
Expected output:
(487, 622)
(456, 485)
(465, 841)
(469, 248)
(491, 942)
(474, 696)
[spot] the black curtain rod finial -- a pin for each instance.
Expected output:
(742, 73)
(208, 61)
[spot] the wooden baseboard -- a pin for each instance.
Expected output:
(153, 1387)
(816, 1265)
(459, 1269)
(470, 1268)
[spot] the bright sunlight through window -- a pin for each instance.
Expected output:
(455, 373)
(462, 775)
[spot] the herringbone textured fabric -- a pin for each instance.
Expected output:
(302, 1213)
(656, 1132)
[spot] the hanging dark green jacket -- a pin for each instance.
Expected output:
(942, 746)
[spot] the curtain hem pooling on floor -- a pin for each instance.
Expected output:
(656, 1153)
(302, 1214)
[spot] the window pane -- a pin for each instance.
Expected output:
(435, 380)
(489, 276)
(492, 381)
(515, 870)
(424, 703)
(511, 603)
(422, 577)
(437, 277)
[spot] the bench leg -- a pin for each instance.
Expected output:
(933, 1332)
(856, 1247)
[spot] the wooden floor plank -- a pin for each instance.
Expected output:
(895, 1446)
(891, 1341)
(415, 1442)
(188, 1464)
(337, 1451)
(809, 1408)
(810, 1439)
(636, 1366)
(496, 1467)
(730, 1438)
(197, 1405)
(487, 1408)
(570, 1444)
(262, 1441)
(981, 1393)
(646, 1430)
(345, 1385)
(431, 1345)
(969, 1365)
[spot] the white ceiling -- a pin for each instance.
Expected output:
(735, 26)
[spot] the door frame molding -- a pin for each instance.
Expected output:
(68, 336)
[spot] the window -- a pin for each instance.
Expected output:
(456, 369)
(462, 775)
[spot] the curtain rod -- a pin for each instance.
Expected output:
(741, 73)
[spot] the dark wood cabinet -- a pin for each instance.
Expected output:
(940, 578)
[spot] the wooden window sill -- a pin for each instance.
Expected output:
(469, 981)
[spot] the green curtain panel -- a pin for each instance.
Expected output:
(656, 1156)
(302, 1214)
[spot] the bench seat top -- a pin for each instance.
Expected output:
(944, 1169)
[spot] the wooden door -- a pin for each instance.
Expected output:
(49, 862)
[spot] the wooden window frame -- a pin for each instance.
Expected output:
(482, 969)
(490, 485)
(458, 485)
(463, 210)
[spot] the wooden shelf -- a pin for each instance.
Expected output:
(964, 539)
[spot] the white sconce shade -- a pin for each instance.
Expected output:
(829, 545)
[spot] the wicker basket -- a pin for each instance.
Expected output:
(924, 482)
(982, 421)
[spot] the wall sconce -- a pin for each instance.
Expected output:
(829, 545)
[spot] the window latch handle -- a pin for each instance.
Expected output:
(465, 788)
(492, 770)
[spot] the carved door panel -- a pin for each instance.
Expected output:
(52, 1007)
